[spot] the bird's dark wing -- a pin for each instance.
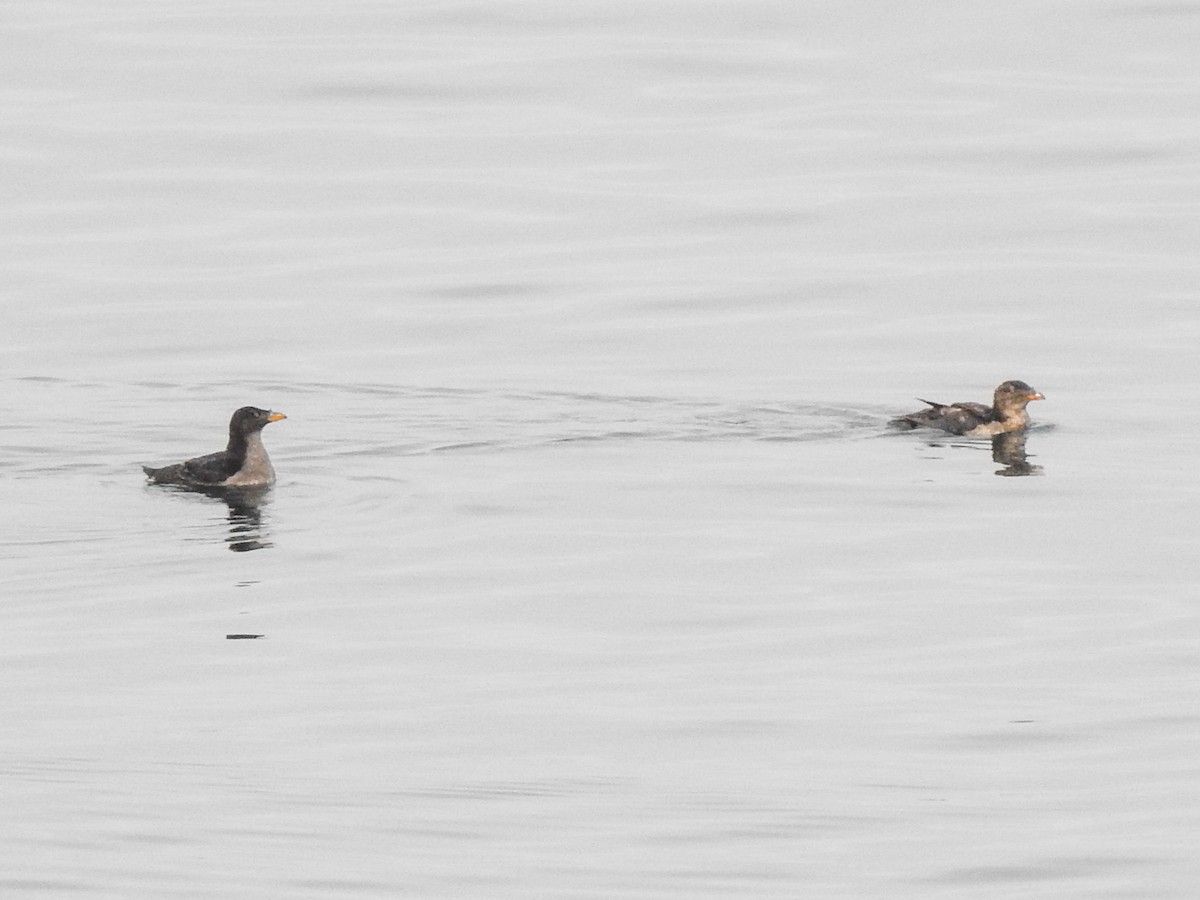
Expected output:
(211, 469)
(958, 418)
(976, 409)
(203, 471)
(963, 417)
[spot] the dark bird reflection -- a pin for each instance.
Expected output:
(1009, 451)
(246, 529)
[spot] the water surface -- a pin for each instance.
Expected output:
(592, 569)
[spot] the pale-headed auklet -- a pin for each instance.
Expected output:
(244, 463)
(1007, 413)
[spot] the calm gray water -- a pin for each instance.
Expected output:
(592, 569)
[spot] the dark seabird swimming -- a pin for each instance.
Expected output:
(1007, 413)
(242, 464)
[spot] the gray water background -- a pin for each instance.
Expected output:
(592, 569)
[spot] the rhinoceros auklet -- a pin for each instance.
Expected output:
(243, 463)
(1007, 413)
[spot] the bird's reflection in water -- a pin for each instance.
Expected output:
(1009, 451)
(246, 530)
